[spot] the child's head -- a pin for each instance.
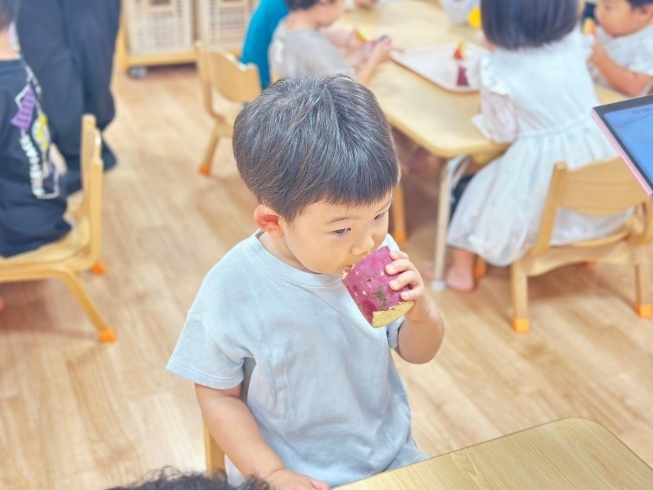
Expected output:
(623, 17)
(325, 12)
(171, 479)
(318, 155)
(8, 11)
(514, 24)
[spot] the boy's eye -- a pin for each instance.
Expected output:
(341, 232)
(380, 216)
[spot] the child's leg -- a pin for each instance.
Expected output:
(460, 275)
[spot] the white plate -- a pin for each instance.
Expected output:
(437, 64)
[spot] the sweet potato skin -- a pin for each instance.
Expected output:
(369, 285)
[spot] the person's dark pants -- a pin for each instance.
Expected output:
(69, 44)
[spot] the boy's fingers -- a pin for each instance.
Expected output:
(398, 255)
(398, 266)
(412, 294)
(404, 279)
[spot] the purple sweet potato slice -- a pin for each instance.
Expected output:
(369, 285)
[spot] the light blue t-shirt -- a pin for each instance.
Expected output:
(319, 380)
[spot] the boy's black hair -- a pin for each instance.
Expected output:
(514, 24)
(301, 4)
(315, 139)
(169, 478)
(8, 12)
(639, 3)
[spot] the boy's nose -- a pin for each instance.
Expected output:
(364, 246)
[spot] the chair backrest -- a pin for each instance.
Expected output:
(92, 168)
(602, 188)
(233, 80)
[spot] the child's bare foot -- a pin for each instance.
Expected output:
(459, 281)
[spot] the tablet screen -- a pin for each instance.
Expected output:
(629, 127)
(634, 127)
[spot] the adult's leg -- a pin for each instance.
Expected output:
(44, 45)
(92, 27)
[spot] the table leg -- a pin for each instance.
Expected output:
(449, 176)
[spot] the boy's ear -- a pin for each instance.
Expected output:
(268, 220)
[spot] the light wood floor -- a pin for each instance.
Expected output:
(78, 414)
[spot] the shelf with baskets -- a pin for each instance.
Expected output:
(163, 32)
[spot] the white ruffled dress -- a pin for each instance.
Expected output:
(539, 99)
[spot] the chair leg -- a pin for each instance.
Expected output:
(213, 453)
(104, 331)
(205, 168)
(399, 215)
(480, 268)
(519, 286)
(644, 303)
(98, 268)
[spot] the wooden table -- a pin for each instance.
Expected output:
(438, 120)
(570, 454)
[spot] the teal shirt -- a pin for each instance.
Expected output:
(262, 25)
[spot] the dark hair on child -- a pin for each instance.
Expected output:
(8, 12)
(514, 24)
(315, 139)
(169, 478)
(639, 3)
(301, 4)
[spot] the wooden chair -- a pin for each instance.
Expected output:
(79, 250)
(235, 82)
(600, 189)
(214, 453)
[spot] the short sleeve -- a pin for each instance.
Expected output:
(202, 359)
(498, 118)
(643, 61)
(327, 60)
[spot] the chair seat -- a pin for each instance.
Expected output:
(68, 246)
(633, 226)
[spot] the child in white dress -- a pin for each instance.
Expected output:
(623, 49)
(536, 93)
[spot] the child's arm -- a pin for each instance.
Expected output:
(380, 53)
(628, 82)
(421, 334)
(233, 426)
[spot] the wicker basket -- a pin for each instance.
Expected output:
(223, 23)
(159, 26)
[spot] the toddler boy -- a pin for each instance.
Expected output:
(306, 45)
(623, 48)
(294, 384)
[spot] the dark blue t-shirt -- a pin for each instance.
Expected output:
(264, 21)
(32, 203)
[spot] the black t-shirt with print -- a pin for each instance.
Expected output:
(32, 203)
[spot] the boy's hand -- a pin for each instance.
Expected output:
(406, 274)
(287, 480)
